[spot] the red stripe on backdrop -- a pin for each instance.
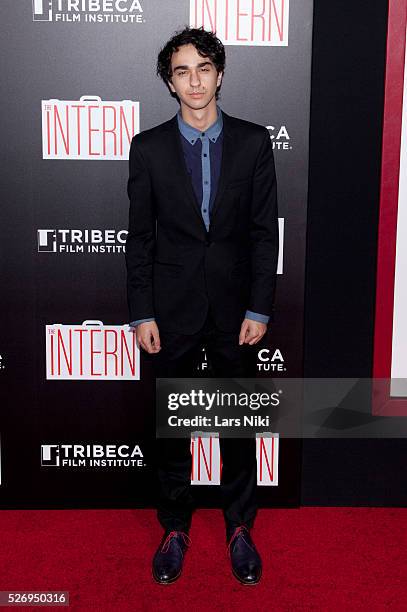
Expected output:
(383, 404)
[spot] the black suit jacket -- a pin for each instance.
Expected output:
(175, 268)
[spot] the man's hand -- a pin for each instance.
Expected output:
(147, 336)
(251, 331)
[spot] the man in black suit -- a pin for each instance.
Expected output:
(201, 258)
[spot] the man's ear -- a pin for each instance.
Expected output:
(219, 79)
(171, 86)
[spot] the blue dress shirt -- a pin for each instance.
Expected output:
(203, 154)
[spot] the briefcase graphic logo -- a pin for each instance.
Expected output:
(89, 128)
(91, 351)
(267, 445)
(207, 460)
(247, 23)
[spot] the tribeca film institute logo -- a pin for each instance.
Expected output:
(91, 455)
(88, 241)
(243, 23)
(89, 11)
(270, 360)
(280, 138)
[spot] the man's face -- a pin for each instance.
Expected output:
(194, 79)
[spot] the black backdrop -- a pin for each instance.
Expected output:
(63, 62)
(347, 95)
(349, 42)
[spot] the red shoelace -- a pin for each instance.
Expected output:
(171, 535)
(237, 531)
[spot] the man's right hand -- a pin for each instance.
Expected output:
(148, 337)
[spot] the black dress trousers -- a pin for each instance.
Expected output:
(179, 357)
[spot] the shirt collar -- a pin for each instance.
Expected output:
(192, 134)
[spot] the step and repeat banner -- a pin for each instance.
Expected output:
(77, 423)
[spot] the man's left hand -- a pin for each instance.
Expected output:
(251, 331)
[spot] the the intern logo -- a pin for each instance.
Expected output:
(243, 23)
(88, 128)
(207, 460)
(91, 351)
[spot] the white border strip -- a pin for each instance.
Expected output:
(399, 344)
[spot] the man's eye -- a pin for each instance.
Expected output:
(182, 72)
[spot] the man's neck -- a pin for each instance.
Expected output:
(200, 118)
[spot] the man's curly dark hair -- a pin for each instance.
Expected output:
(206, 43)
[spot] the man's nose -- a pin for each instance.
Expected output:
(194, 79)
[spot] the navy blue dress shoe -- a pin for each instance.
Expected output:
(169, 556)
(245, 560)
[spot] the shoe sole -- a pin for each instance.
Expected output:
(246, 583)
(166, 581)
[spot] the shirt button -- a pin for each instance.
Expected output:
(203, 133)
(205, 209)
(205, 155)
(206, 182)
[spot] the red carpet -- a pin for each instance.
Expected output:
(314, 559)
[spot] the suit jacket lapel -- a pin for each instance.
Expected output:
(226, 164)
(180, 163)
